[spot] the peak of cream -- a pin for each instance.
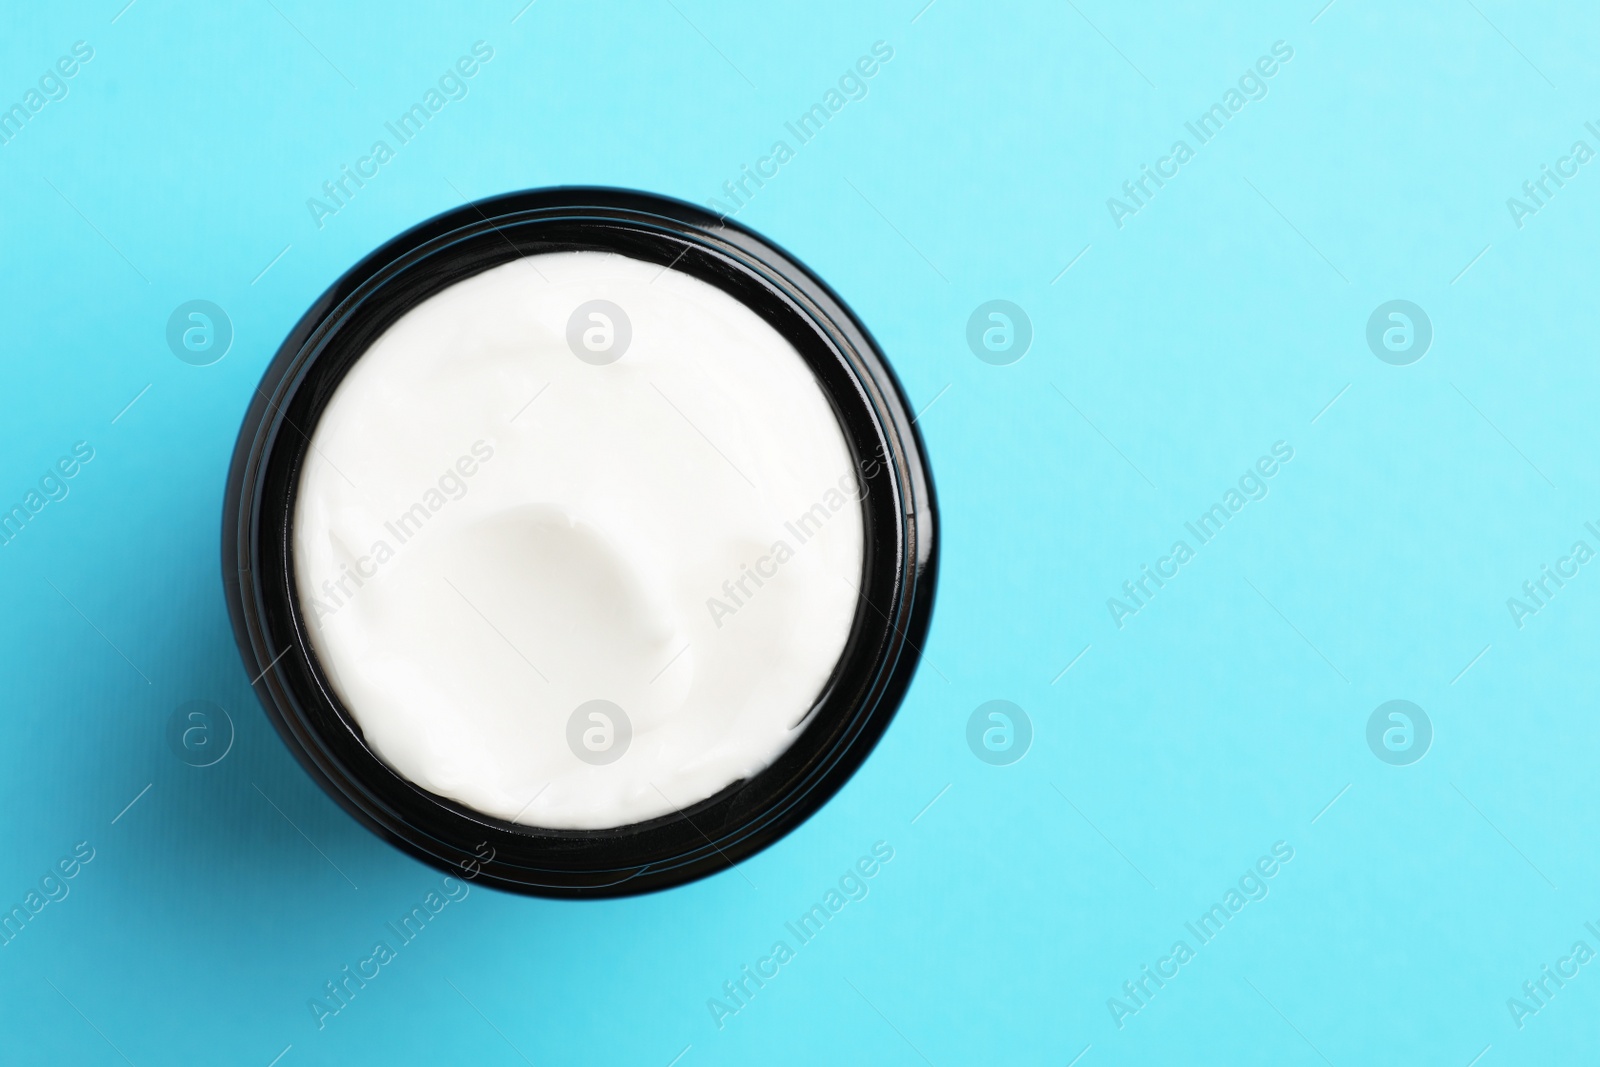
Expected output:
(579, 541)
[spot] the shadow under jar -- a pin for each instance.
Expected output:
(371, 735)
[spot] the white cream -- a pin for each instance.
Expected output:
(676, 531)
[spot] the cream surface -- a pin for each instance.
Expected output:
(572, 588)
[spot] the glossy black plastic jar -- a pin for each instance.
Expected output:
(897, 582)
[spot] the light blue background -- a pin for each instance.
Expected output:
(1223, 317)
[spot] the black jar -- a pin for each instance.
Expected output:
(899, 523)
